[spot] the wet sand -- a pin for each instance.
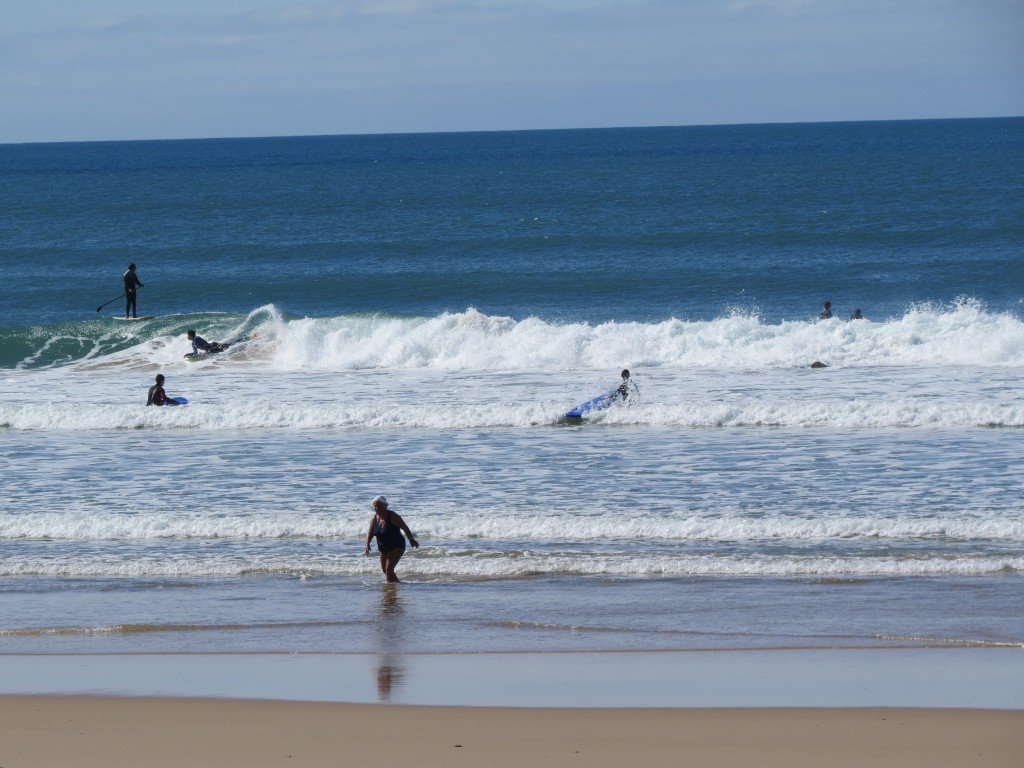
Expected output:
(105, 732)
(953, 678)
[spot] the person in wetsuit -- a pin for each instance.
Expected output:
(157, 396)
(199, 343)
(387, 527)
(627, 387)
(131, 282)
(826, 311)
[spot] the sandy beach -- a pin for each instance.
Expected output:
(100, 732)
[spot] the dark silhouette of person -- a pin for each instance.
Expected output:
(131, 282)
(157, 396)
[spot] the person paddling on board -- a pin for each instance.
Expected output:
(626, 388)
(157, 396)
(199, 343)
(131, 282)
(856, 315)
(388, 526)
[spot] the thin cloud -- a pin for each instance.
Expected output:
(385, 65)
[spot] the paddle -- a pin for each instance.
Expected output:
(101, 306)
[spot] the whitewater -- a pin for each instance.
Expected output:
(956, 366)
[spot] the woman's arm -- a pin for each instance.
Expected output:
(404, 528)
(369, 538)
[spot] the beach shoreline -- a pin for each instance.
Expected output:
(100, 732)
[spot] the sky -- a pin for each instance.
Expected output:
(86, 70)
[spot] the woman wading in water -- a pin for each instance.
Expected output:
(387, 527)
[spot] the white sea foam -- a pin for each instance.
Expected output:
(963, 334)
(462, 566)
(491, 525)
(263, 414)
(460, 405)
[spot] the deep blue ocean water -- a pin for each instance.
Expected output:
(420, 310)
(589, 225)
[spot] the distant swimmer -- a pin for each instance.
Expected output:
(627, 387)
(131, 282)
(819, 364)
(209, 347)
(157, 396)
(388, 526)
(856, 315)
(826, 311)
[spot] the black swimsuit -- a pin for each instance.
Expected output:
(389, 536)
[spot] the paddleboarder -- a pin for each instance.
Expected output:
(131, 282)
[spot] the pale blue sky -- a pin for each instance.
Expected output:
(139, 69)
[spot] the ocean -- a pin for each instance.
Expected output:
(419, 311)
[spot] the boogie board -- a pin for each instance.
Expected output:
(593, 405)
(179, 401)
(131, 319)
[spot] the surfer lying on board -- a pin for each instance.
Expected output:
(388, 527)
(157, 396)
(209, 347)
(626, 388)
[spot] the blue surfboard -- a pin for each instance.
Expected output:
(593, 405)
(179, 401)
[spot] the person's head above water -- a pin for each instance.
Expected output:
(131, 267)
(379, 501)
(159, 378)
(625, 373)
(191, 334)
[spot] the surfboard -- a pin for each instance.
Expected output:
(194, 356)
(132, 319)
(593, 405)
(179, 400)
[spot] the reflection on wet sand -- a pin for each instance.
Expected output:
(389, 677)
(390, 604)
(391, 672)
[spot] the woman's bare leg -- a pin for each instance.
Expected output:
(388, 562)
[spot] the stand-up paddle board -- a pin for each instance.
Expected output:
(593, 405)
(130, 319)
